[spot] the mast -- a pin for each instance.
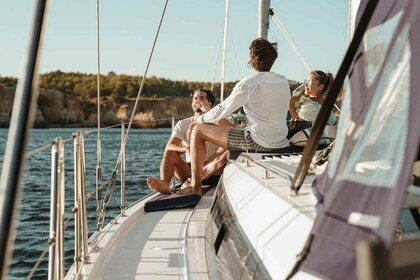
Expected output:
(222, 83)
(263, 18)
(22, 119)
(353, 7)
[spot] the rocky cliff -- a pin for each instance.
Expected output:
(58, 109)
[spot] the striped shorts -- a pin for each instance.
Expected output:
(240, 139)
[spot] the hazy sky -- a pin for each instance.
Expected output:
(190, 43)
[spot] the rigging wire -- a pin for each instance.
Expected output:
(290, 40)
(217, 64)
(112, 180)
(294, 46)
(98, 142)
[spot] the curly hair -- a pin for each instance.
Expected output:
(211, 97)
(262, 54)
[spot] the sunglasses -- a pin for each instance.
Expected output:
(308, 82)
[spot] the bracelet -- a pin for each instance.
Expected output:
(292, 109)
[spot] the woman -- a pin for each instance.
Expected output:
(264, 97)
(306, 107)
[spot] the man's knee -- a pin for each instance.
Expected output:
(169, 154)
(199, 127)
(198, 130)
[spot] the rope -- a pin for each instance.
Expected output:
(111, 182)
(290, 40)
(38, 262)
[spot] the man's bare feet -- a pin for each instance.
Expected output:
(186, 183)
(191, 190)
(158, 185)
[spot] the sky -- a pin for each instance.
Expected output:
(190, 43)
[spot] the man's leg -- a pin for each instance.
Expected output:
(215, 164)
(172, 163)
(201, 133)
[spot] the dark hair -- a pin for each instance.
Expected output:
(211, 97)
(262, 54)
(325, 79)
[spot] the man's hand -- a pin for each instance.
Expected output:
(190, 129)
(204, 106)
(186, 149)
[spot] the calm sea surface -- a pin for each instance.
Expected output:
(143, 153)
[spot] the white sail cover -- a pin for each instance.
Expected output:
(365, 183)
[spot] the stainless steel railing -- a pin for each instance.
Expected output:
(123, 207)
(58, 222)
(56, 240)
(80, 216)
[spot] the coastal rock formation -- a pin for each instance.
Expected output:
(59, 109)
(6, 104)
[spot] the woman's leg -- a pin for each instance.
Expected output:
(200, 134)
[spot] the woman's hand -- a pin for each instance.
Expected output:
(292, 108)
(294, 114)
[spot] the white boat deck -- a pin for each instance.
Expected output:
(276, 225)
(171, 244)
(152, 245)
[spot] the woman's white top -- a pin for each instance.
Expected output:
(309, 110)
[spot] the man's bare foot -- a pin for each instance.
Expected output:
(186, 183)
(212, 167)
(158, 185)
(191, 190)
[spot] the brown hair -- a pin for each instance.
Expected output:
(211, 97)
(262, 54)
(325, 79)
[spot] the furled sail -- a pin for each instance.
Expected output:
(365, 183)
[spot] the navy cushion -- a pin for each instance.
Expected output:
(176, 201)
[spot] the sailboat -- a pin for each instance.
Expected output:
(276, 215)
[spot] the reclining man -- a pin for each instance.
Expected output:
(173, 163)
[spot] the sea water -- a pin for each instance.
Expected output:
(143, 154)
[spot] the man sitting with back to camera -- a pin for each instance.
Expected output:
(172, 161)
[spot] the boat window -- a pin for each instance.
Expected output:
(376, 43)
(378, 154)
(344, 127)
